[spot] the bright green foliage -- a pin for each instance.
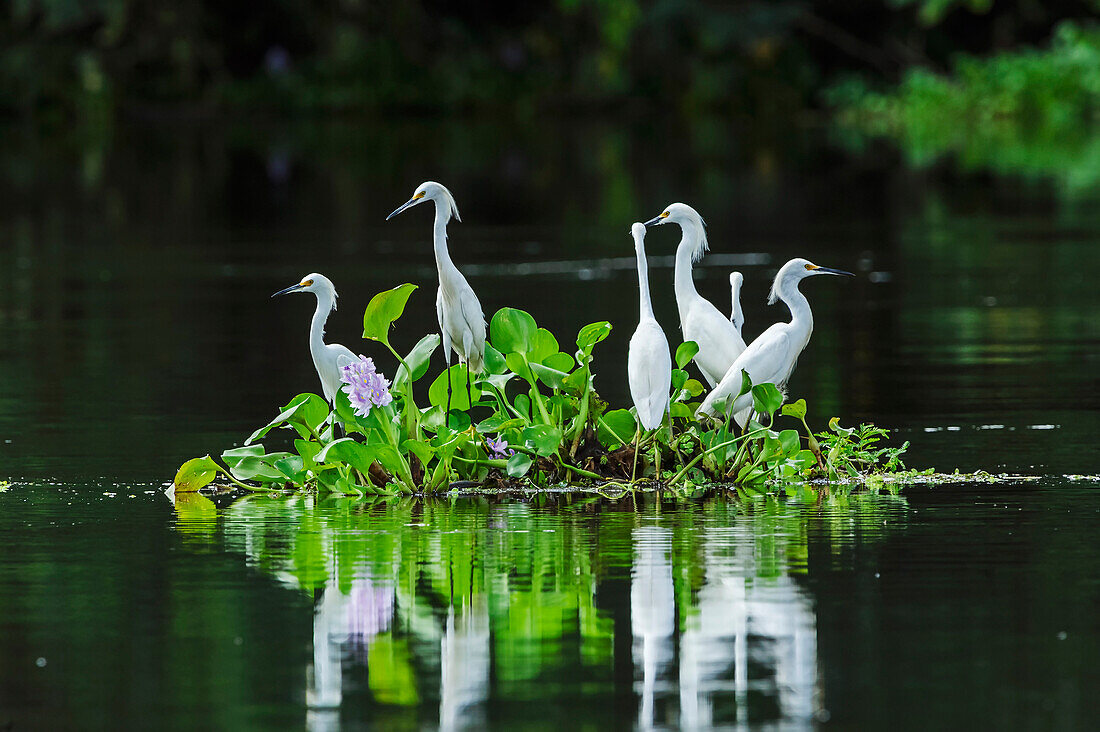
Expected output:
(534, 417)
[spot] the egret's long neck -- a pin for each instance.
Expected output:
(442, 216)
(646, 305)
(802, 319)
(684, 285)
(317, 327)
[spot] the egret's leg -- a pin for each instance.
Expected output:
(637, 440)
(469, 386)
(447, 414)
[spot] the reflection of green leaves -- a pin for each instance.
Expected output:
(383, 309)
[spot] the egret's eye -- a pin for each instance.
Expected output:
(812, 267)
(419, 195)
(664, 215)
(305, 283)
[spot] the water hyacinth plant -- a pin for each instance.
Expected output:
(531, 419)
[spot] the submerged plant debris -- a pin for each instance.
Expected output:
(533, 420)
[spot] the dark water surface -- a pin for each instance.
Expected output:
(136, 331)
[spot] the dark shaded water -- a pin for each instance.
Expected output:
(136, 331)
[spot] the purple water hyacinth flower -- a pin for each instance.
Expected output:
(499, 448)
(365, 386)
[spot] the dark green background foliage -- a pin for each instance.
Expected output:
(86, 57)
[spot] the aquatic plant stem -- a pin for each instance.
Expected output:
(706, 452)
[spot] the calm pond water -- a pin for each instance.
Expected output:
(136, 331)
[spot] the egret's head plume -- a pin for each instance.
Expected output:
(438, 192)
(693, 226)
(796, 270)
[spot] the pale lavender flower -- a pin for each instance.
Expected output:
(499, 447)
(365, 387)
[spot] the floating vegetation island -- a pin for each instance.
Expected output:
(532, 420)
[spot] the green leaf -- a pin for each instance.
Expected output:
(616, 428)
(551, 377)
(437, 392)
(789, 440)
(306, 409)
(512, 331)
(542, 438)
(519, 367)
(259, 468)
(518, 465)
(543, 345)
(418, 360)
(694, 387)
(685, 352)
(498, 422)
(422, 450)
(834, 425)
(560, 361)
(194, 474)
(592, 334)
(348, 451)
(383, 309)
(234, 456)
(746, 383)
(766, 399)
(796, 409)
(679, 378)
(574, 382)
(681, 410)
(292, 468)
(494, 360)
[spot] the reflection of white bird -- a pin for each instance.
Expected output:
(718, 340)
(461, 321)
(737, 315)
(771, 358)
(649, 366)
(327, 359)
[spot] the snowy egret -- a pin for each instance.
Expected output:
(737, 315)
(327, 358)
(720, 343)
(771, 358)
(461, 321)
(649, 365)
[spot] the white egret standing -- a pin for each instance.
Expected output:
(718, 340)
(649, 365)
(461, 321)
(327, 358)
(771, 358)
(737, 315)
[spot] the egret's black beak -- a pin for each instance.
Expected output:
(407, 204)
(829, 270)
(654, 221)
(292, 288)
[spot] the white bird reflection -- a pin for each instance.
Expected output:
(738, 622)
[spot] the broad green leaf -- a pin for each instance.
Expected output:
(543, 439)
(685, 352)
(518, 465)
(512, 331)
(307, 409)
(519, 367)
(574, 382)
(766, 398)
(460, 401)
(679, 378)
(592, 334)
(543, 345)
(308, 451)
(291, 467)
(194, 474)
(789, 440)
(561, 361)
(494, 360)
(616, 428)
(681, 410)
(522, 404)
(796, 409)
(551, 377)
(746, 383)
(383, 309)
(497, 423)
(834, 425)
(694, 387)
(348, 451)
(418, 360)
(258, 468)
(234, 456)
(422, 450)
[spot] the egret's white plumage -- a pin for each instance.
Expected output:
(719, 341)
(461, 320)
(327, 358)
(649, 365)
(772, 357)
(737, 315)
